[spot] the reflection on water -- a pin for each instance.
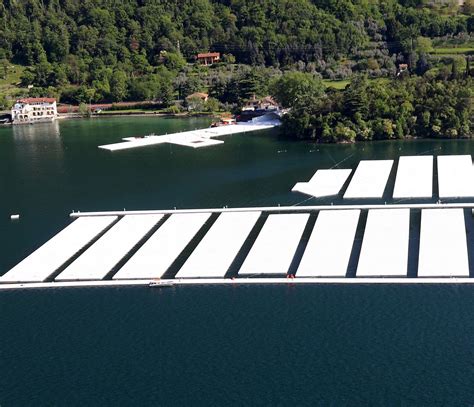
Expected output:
(33, 131)
(32, 142)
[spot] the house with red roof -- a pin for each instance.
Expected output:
(34, 110)
(208, 58)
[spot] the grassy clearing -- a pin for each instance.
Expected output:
(454, 51)
(9, 85)
(339, 84)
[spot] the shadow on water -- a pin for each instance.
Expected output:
(414, 242)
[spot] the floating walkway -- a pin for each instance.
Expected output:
(369, 179)
(384, 250)
(419, 243)
(194, 138)
(214, 254)
(443, 249)
(324, 183)
(455, 173)
(414, 179)
(275, 246)
(346, 244)
(99, 259)
(53, 254)
(159, 252)
(329, 248)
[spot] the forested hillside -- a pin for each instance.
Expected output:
(110, 51)
(258, 32)
(104, 45)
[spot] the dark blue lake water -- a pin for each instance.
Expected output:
(259, 345)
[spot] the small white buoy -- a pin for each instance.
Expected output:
(14, 217)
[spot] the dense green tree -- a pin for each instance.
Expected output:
(3, 68)
(291, 86)
(192, 85)
(118, 86)
(251, 85)
(173, 61)
(4, 103)
(468, 7)
(151, 87)
(419, 106)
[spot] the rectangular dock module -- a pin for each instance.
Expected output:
(384, 250)
(97, 261)
(414, 177)
(159, 252)
(324, 183)
(455, 176)
(369, 180)
(42, 263)
(276, 245)
(443, 244)
(329, 248)
(215, 253)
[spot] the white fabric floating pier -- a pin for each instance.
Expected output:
(369, 180)
(455, 176)
(155, 257)
(443, 251)
(194, 138)
(443, 244)
(414, 177)
(384, 250)
(329, 248)
(97, 261)
(39, 265)
(282, 281)
(276, 245)
(324, 183)
(220, 246)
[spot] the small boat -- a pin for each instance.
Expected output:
(224, 122)
(161, 284)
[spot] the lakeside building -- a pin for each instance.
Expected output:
(198, 95)
(208, 58)
(265, 103)
(264, 109)
(196, 101)
(34, 110)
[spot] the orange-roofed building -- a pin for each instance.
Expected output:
(208, 58)
(34, 110)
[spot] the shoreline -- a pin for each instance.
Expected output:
(118, 113)
(216, 115)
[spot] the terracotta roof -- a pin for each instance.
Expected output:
(198, 95)
(269, 99)
(37, 100)
(209, 55)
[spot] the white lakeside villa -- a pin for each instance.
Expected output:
(34, 110)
